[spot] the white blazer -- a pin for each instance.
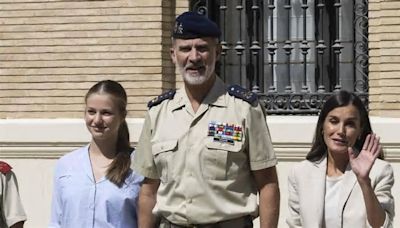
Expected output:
(307, 193)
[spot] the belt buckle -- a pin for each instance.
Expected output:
(202, 225)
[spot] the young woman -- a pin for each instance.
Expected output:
(94, 186)
(342, 183)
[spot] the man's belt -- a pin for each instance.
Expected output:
(241, 222)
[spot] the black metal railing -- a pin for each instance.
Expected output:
(293, 53)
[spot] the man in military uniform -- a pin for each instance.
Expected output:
(205, 149)
(11, 212)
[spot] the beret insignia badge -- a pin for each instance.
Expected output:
(178, 29)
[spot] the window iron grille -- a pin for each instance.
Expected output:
(293, 53)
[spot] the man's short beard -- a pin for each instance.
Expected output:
(196, 79)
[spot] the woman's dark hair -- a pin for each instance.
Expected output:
(340, 99)
(119, 168)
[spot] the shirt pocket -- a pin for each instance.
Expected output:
(163, 156)
(67, 187)
(222, 161)
(64, 180)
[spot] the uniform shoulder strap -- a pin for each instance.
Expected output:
(242, 93)
(157, 100)
(4, 167)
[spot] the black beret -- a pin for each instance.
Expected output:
(190, 25)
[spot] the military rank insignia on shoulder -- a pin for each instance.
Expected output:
(157, 100)
(242, 93)
(4, 167)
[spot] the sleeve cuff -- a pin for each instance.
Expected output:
(12, 221)
(257, 165)
(146, 172)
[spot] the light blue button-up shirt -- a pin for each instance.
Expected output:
(80, 202)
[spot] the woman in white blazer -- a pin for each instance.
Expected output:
(344, 181)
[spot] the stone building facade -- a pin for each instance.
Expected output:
(52, 51)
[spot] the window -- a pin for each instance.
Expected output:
(293, 53)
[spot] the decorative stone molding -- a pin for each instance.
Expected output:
(51, 138)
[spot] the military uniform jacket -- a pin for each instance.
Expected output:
(11, 210)
(205, 175)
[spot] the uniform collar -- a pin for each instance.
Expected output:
(214, 97)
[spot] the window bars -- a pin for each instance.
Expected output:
(292, 53)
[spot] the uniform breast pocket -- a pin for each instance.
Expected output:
(222, 161)
(163, 153)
